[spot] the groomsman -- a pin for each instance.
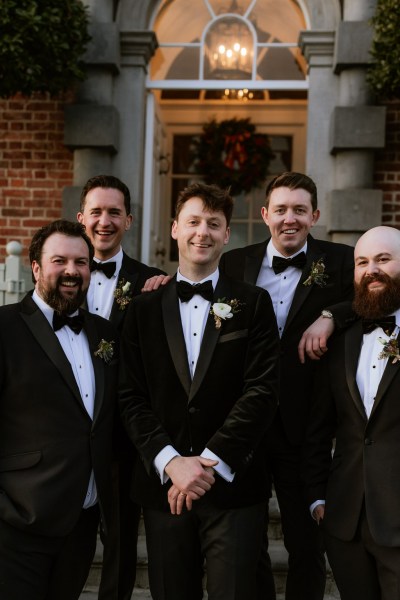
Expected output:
(105, 210)
(304, 278)
(357, 402)
(58, 380)
(198, 392)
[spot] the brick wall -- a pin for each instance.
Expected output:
(387, 167)
(34, 166)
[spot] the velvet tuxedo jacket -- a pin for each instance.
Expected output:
(48, 442)
(137, 274)
(366, 462)
(228, 405)
(296, 380)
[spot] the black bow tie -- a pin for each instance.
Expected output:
(388, 324)
(74, 323)
(108, 268)
(279, 264)
(186, 290)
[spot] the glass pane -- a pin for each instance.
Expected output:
(181, 21)
(259, 232)
(238, 236)
(182, 162)
(282, 147)
(175, 63)
(281, 63)
(279, 19)
(258, 203)
(241, 207)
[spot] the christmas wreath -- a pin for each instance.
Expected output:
(231, 154)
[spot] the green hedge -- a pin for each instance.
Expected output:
(41, 45)
(384, 74)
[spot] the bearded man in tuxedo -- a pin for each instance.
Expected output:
(354, 495)
(58, 378)
(198, 391)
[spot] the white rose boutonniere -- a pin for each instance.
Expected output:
(105, 350)
(122, 295)
(224, 309)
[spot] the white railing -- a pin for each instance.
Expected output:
(15, 277)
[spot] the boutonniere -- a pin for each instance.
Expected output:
(224, 309)
(122, 295)
(317, 274)
(390, 349)
(105, 350)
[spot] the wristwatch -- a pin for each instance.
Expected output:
(326, 314)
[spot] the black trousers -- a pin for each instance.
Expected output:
(363, 569)
(120, 547)
(302, 538)
(37, 567)
(228, 539)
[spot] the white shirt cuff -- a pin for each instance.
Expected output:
(314, 505)
(221, 468)
(161, 461)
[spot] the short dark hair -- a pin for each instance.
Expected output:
(214, 199)
(293, 181)
(106, 181)
(69, 228)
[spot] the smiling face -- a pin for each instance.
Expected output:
(62, 277)
(289, 217)
(201, 236)
(377, 272)
(104, 216)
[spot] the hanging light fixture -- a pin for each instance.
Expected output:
(229, 47)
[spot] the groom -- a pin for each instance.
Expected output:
(198, 392)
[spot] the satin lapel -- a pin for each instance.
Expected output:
(174, 333)
(98, 364)
(388, 374)
(117, 314)
(253, 263)
(302, 291)
(353, 341)
(48, 341)
(210, 338)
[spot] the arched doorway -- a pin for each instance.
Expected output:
(220, 60)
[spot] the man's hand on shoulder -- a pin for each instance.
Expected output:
(153, 283)
(315, 339)
(192, 477)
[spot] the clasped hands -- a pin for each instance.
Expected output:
(192, 477)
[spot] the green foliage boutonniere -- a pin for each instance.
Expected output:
(317, 274)
(122, 295)
(390, 349)
(105, 350)
(224, 309)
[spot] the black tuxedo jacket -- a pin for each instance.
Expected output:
(296, 379)
(228, 405)
(137, 274)
(366, 462)
(48, 442)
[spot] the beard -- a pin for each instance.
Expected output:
(378, 304)
(65, 305)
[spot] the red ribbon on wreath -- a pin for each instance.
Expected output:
(235, 151)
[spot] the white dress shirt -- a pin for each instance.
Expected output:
(194, 315)
(282, 286)
(76, 349)
(100, 296)
(370, 368)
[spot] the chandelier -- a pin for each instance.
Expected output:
(229, 48)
